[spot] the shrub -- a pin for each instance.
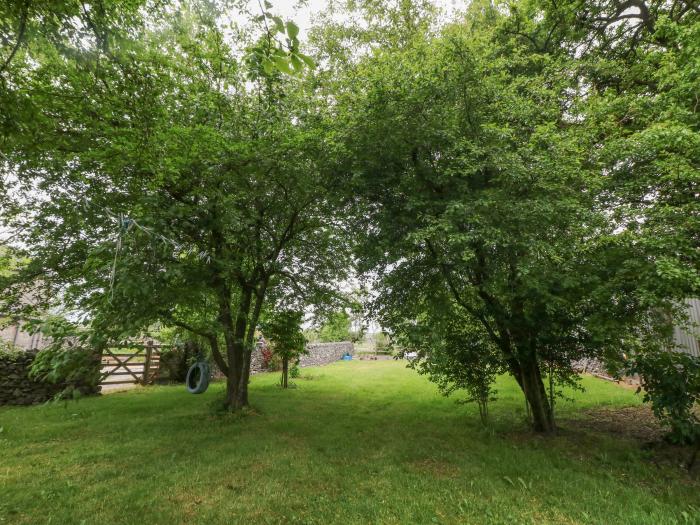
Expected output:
(459, 357)
(671, 383)
(76, 368)
(268, 359)
(67, 361)
(283, 327)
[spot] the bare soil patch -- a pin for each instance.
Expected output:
(637, 422)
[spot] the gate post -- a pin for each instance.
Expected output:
(147, 363)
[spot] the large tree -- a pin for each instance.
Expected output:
(637, 63)
(175, 175)
(480, 169)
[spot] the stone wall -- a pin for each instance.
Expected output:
(597, 368)
(256, 360)
(319, 354)
(324, 353)
(17, 388)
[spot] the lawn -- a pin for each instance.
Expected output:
(357, 442)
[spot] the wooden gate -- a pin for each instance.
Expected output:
(130, 363)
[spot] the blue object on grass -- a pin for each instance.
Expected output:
(347, 357)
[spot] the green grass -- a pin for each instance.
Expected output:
(356, 442)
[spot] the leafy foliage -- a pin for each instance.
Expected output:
(199, 181)
(490, 173)
(520, 183)
(671, 383)
(68, 360)
(458, 355)
(335, 328)
(283, 328)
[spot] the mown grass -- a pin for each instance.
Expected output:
(356, 442)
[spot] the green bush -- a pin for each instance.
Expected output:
(283, 327)
(76, 368)
(671, 383)
(67, 361)
(336, 328)
(274, 363)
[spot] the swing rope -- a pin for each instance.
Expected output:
(124, 225)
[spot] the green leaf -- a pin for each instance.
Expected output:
(279, 24)
(292, 30)
(268, 5)
(268, 66)
(296, 63)
(307, 60)
(283, 65)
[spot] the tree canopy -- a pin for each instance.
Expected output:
(519, 182)
(174, 177)
(510, 180)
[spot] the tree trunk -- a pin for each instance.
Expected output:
(250, 340)
(525, 368)
(533, 387)
(236, 397)
(234, 400)
(285, 371)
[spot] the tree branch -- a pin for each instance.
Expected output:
(20, 36)
(497, 339)
(213, 341)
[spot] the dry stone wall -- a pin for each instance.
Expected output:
(319, 354)
(596, 368)
(17, 388)
(324, 353)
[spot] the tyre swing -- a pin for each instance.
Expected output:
(197, 379)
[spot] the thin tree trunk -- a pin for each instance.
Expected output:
(285, 371)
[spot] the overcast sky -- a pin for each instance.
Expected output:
(304, 16)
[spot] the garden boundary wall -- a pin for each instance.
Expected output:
(325, 353)
(17, 388)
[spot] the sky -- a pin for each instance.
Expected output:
(304, 16)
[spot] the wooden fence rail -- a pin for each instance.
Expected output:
(138, 366)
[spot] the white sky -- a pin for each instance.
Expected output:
(304, 16)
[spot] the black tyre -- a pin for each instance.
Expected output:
(197, 380)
